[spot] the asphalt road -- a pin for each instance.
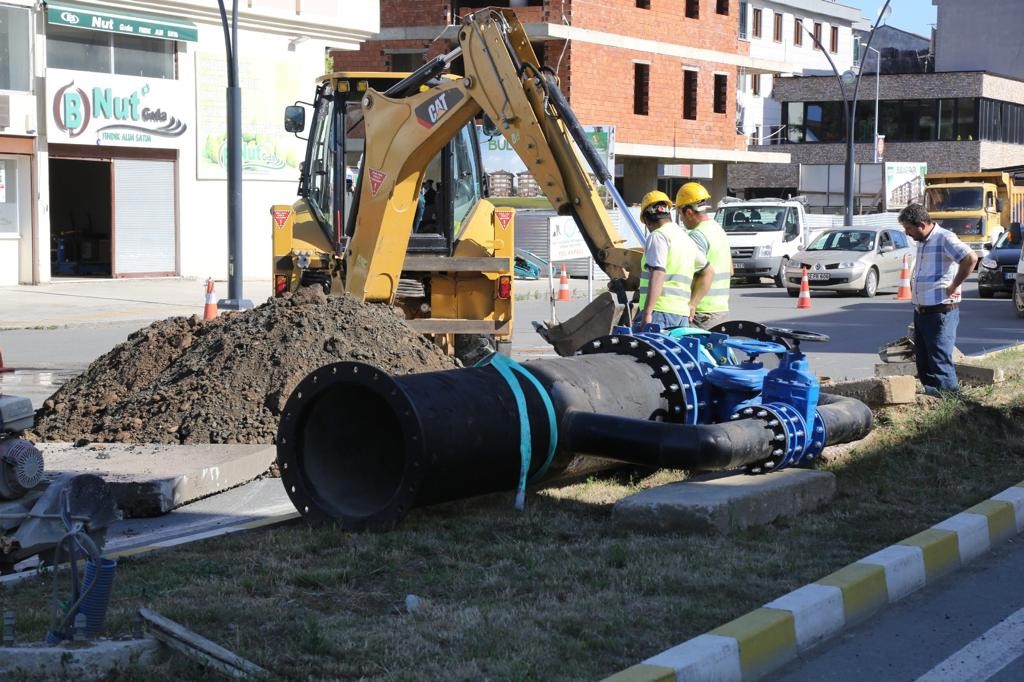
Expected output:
(968, 627)
(858, 328)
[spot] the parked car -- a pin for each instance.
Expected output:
(998, 270)
(851, 260)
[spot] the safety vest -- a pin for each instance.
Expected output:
(720, 259)
(675, 294)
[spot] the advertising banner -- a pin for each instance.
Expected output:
(904, 184)
(122, 111)
(507, 173)
(268, 85)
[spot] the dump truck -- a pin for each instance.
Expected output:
(448, 265)
(977, 207)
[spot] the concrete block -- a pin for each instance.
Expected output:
(724, 503)
(895, 369)
(93, 661)
(877, 391)
(979, 376)
(153, 479)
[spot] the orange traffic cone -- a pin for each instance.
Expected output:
(2, 368)
(804, 300)
(210, 311)
(904, 291)
(563, 286)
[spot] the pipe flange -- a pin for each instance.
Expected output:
(779, 438)
(817, 441)
(291, 437)
(680, 391)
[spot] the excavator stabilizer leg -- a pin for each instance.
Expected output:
(596, 320)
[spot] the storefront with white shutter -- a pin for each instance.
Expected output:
(123, 175)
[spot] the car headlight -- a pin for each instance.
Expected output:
(849, 265)
(989, 263)
(764, 251)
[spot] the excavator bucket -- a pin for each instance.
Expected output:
(595, 320)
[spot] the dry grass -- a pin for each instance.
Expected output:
(555, 592)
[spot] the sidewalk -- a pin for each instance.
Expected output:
(71, 302)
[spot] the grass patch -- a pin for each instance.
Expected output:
(555, 592)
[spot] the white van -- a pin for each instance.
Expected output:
(763, 235)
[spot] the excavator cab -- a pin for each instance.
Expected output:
(468, 305)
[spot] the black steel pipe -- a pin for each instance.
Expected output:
(846, 419)
(363, 447)
(729, 445)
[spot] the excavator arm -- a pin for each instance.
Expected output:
(416, 117)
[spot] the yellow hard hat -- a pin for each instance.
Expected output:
(652, 199)
(691, 194)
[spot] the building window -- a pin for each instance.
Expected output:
(723, 7)
(743, 20)
(777, 29)
(693, 9)
(908, 121)
(817, 33)
(124, 55)
(690, 95)
(757, 23)
(407, 62)
(15, 49)
(721, 93)
(798, 32)
(641, 88)
(755, 85)
(834, 40)
(643, 4)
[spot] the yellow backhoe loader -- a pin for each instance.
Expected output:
(447, 262)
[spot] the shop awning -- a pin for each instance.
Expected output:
(116, 21)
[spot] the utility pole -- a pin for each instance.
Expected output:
(234, 301)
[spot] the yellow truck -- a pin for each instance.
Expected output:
(978, 207)
(415, 228)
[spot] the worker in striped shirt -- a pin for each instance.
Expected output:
(942, 264)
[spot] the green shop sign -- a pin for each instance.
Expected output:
(113, 21)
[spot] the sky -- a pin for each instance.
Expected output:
(915, 16)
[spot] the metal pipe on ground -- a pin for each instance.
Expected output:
(363, 447)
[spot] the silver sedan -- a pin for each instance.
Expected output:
(852, 260)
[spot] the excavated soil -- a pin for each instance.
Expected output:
(182, 380)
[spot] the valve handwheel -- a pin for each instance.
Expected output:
(797, 335)
(753, 348)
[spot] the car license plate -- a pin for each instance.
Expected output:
(739, 266)
(1010, 275)
(819, 276)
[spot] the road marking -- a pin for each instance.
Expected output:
(985, 656)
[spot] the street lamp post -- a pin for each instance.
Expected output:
(851, 112)
(878, 71)
(235, 300)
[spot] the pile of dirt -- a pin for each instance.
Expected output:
(182, 380)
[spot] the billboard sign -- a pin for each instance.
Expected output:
(904, 184)
(123, 111)
(500, 157)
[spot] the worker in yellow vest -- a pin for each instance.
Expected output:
(675, 276)
(692, 205)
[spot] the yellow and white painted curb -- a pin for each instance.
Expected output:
(765, 639)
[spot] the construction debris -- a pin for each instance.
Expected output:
(182, 380)
(199, 648)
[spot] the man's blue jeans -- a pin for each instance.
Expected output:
(934, 336)
(670, 320)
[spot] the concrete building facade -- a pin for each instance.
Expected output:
(651, 68)
(113, 130)
(979, 36)
(783, 31)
